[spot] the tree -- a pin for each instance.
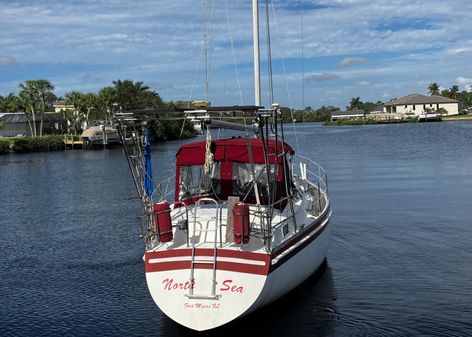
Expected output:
(84, 105)
(324, 112)
(454, 92)
(46, 98)
(433, 89)
(28, 101)
(75, 119)
(465, 100)
(128, 94)
(89, 104)
(445, 93)
(355, 103)
(106, 99)
(35, 96)
(10, 103)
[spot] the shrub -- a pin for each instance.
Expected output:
(40, 144)
(5, 146)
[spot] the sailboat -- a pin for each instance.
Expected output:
(243, 222)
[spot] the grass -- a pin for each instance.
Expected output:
(457, 118)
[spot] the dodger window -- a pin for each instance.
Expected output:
(192, 181)
(242, 182)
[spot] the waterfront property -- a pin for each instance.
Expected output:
(21, 124)
(61, 106)
(422, 105)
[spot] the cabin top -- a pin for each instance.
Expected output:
(235, 162)
(233, 150)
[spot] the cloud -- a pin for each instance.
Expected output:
(364, 83)
(322, 77)
(466, 82)
(161, 42)
(347, 61)
(6, 60)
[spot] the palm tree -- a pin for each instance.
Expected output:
(90, 102)
(106, 99)
(454, 92)
(445, 93)
(46, 98)
(355, 103)
(433, 89)
(35, 95)
(129, 94)
(75, 99)
(10, 103)
(28, 98)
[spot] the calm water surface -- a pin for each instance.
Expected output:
(399, 264)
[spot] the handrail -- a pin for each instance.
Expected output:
(317, 179)
(221, 220)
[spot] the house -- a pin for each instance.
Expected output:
(336, 115)
(61, 106)
(422, 105)
(18, 124)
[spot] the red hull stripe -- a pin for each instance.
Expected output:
(258, 263)
(302, 246)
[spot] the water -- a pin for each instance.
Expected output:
(399, 263)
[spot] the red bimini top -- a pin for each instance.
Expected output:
(231, 149)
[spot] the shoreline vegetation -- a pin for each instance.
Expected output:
(78, 110)
(56, 142)
(372, 121)
(30, 144)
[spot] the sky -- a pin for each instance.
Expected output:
(323, 52)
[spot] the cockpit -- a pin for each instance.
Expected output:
(239, 167)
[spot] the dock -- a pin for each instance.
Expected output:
(73, 142)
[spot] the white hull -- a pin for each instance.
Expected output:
(293, 272)
(245, 281)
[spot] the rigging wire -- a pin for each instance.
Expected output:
(285, 76)
(233, 53)
(208, 44)
(195, 76)
(203, 57)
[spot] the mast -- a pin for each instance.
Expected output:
(257, 72)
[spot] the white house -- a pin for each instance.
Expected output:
(421, 104)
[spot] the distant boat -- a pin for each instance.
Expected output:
(100, 135)
(427, 116)
(196, 117)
